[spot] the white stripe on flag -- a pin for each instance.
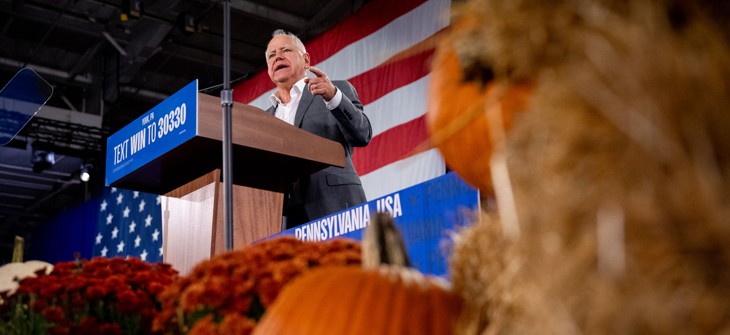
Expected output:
(398, 106)
(403, 174)
(402, 33)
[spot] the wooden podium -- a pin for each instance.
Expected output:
(267, 152)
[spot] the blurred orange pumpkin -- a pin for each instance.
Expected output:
(457, 119)
(353, 301)
(374, 299)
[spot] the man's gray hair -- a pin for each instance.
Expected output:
(296, 39)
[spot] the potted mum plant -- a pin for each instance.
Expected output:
(229, 293)
(112, 296)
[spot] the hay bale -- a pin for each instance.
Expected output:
(620, 170)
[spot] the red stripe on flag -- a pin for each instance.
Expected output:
(373, 84)
(251, 89)
(391, 146)
(366, 21)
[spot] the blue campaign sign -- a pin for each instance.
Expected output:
(426, 214)
(161, 129)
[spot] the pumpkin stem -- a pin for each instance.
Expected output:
(383, 244)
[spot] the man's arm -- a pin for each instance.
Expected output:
(353, 123)
(349, 114)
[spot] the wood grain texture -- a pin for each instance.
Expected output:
(256, 215)
(196, 184)
(255, 128)
(193, 228)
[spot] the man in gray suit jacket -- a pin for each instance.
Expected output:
(330, 109)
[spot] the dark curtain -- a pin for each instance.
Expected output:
(68, 233)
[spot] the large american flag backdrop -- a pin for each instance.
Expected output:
(384, 50)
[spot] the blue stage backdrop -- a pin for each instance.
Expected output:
(426, 214)
(68, 233)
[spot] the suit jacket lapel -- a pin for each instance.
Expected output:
(304, 103)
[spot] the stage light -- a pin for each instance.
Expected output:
(85, 173)
(133, 8)
(42, 160)
(186, 23)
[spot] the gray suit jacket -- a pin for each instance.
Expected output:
(332, 189)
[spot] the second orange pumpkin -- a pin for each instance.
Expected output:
(457, 119)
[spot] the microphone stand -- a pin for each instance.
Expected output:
(227, 105)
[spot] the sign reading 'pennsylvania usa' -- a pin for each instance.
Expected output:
(156, 132)
(426, 214)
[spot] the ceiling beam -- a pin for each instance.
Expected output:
(66, 21)
(7, 25)
(25, 184)
(143, 93)
(315, 22)
(85, 59)
(258, 10)
(149, 36)
(207, 57)
(16, 196)
(58, 74)
(29, 170)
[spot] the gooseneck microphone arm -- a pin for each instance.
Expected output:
(214, 88)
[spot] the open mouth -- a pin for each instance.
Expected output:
(280, 66)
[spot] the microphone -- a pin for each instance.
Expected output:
(214, 88)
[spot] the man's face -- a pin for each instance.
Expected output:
(285, 61)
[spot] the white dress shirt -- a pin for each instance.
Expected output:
(288, 111)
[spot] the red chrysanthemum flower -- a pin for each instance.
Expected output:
(100, 296)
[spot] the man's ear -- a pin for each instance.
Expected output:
(306, 61)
